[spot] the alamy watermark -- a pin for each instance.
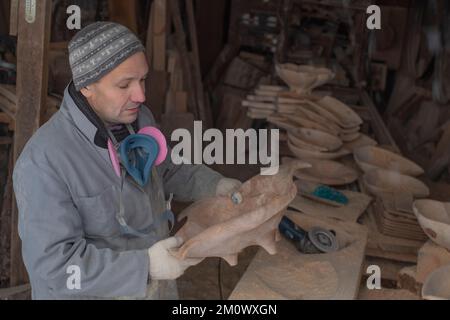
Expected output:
(231, 149)
(374, 280)
(74, 11)
(74, 279)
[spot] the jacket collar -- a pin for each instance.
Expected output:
(87, 121)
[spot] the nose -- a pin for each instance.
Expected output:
(138, 93)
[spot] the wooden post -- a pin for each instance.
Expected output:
(32, 74)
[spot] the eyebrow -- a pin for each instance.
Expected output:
(131, 78)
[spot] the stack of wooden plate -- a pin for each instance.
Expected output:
(334, 127)
(394, 217)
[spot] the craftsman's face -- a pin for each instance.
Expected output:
(117, 96)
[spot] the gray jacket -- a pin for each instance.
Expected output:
(67, 195)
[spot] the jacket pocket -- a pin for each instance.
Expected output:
(98, 213)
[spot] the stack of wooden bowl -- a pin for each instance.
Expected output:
(388, 172)
(391, 178)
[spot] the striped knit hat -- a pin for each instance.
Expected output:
(99, 48)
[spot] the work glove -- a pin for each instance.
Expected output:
(164, 265)
(227, 186)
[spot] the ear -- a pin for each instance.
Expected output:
(86, 92)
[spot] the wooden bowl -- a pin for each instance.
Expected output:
(349, 137)
(371, 157)
(347, 118)
(298, 78)
(302, 144)
(323, 76)
(282, 122)
(305, 110)
(321, 110)
(324, 141)
(306, 123)
(362, 141)
(434, 218)
(437, 284)
(309, 154)
(350, 130)
(327, 172)
(379, 181)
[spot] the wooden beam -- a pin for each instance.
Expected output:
(32, 74)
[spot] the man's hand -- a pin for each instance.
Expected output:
(163, 265)
(227, 186)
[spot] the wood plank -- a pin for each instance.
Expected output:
(124, 12)
(9, 92)
(217, 70)
(149, 36)
(156, 84)
(5, 218)
(156, 87)
(10, 293)
(8, 107)
(441, 158)
(379, 128)
(205, 115)
(180, 40)
(13, 18)
(159, 30)
(290, 274)
(5, 140)
(32, 75)
(5, 118)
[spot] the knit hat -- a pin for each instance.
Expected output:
(99, 48)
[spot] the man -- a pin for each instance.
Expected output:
(87, 232)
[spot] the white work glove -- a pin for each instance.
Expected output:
(227, 186)
(163, 265)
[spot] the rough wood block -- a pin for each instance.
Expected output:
(290, 274)
(407, 279)
(430, 257)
